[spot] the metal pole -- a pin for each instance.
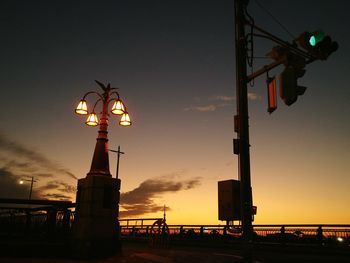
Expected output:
(243, 125)
(118, 156)
(31, 188)
(100, 161)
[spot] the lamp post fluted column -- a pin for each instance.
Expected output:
(100, 160)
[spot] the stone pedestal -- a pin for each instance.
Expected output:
(95, 229)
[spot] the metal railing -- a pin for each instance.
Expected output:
(301, 233)
(41, 223)
(17, 223)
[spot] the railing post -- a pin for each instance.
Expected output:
(181, 230)
(51, 222)
(201, 231)
(283, 235)
(320, 234)
(66, 220)
(28, 221)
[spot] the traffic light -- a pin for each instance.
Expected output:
(317, 44)
(309, 40)
(289, 89)
(316, 38)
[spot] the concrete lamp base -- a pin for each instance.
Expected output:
(95, 228)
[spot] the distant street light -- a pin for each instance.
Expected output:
(31, 180)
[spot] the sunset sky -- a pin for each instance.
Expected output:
(174, 64)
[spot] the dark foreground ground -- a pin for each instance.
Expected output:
(142, 252)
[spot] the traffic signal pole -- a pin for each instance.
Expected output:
(242, 122)
(294, 60)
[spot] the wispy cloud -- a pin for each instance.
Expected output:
(34, 158)
(206, 108)
(57, 196)
(141, 200)
(18, 161)
(140, 209)
(9, 186)
(57, 185)
(211, 104)
(222, 98)
(216, 102)
(253, 96)
(56, 189)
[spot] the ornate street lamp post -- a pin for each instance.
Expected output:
(95, 229)
(100, 161)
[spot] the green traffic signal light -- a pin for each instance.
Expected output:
(316, 37)
(312, 41)
(317, 44)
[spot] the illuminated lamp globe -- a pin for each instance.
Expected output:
(81, 108)
(21, 182)
(118, 108)
(92, 120)
(125, 120)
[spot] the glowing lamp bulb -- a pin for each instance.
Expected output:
(81, 108)
(92, 120)
(118, 108)
(21, 182)
(125, 120)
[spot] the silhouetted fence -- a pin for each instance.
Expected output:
(35, 218)
(41, 223)
(332, 233)
(56, 222)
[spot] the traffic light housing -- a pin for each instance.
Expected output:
(317, 44)
(288, 80)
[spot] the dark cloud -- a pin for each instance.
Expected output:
(44, 175)
(10, 187)
(56, 188)
(18, 164)
(141, 200)
(138, 209)
(34, 158)
(214, 103)
(57, 197)
(18, 161)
